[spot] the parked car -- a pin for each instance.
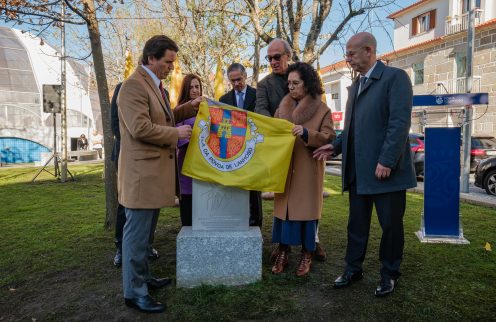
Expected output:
(485, 175)
(417, 145)
(482, 147)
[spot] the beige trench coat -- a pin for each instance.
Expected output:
(147, 161)
(302, 197)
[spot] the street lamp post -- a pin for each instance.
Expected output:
(468, 116)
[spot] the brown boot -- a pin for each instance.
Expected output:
(281, 262)
(320, 253)
(305, 263)
(277, 250)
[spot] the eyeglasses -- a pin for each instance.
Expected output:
(276, 57)
(352, 53)
(235, 80)
(294, 84)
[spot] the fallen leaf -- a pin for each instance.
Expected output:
(488, 247)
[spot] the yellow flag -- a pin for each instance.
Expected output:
(237, 148)
(219, 89)
(128, 67)
(175, 85)
(324, 98)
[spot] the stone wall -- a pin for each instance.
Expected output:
(440, 67)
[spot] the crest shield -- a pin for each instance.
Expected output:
(227, 132)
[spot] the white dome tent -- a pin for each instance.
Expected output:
(26, 63)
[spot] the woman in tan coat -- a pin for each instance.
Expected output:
(298, 210)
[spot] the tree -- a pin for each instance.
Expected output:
(40, 15)
(292, 16)
(207, 34)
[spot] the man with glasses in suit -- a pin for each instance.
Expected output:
(244, 97)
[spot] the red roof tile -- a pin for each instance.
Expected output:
(342, 63)
(400, 12)
(431, 41)
(339, 65)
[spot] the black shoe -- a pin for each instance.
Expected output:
(319, 254)
(347, 278)
(153, 254)
(386, 286)
(118, 258)
(145, 304)
(156, 283)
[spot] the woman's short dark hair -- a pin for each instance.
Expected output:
(156, 47)
(309, 76)
(184, 93)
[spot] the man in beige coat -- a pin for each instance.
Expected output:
(147, 164)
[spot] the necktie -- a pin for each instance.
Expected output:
(167, 107)
(363, 80)
(162, 91)
(241, 101)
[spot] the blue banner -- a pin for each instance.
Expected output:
(451, 99)
(442, 182)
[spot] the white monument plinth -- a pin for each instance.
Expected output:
(220, 248)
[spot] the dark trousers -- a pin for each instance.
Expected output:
(135, 247)
(256, 213)
(120, 221)
(390, 208)
(186, 210)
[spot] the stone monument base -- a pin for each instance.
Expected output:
(218, 257)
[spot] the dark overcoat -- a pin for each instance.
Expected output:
(382, 118)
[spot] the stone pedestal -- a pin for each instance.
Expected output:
(220, 248)
(218, 257)
(216, 207)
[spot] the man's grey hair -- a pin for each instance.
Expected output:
(287, 46)
(236, 66)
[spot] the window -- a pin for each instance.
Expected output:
(466, 5)
(424, 22)
(418, 73)
(335, 96)
(483, 142)
(461, 65)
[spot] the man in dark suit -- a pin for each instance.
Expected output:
(377, 167)
(120, 218)
(244, 96)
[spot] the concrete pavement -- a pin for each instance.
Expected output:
(476, 196)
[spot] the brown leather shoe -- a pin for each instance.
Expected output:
(320, 253)
(305, 263)
(281, 262)
(276, 252)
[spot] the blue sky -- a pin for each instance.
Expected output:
(382, 30)
(381, 27)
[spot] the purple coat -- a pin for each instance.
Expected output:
(185, 182)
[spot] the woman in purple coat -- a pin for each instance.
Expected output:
(191, 93)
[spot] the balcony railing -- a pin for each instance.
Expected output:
(458, 23)
(458, 85)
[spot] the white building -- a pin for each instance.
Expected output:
(26, 63)
(430, 44)
(336, 78)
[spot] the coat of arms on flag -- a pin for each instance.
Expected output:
(237, 148)
(226, 141)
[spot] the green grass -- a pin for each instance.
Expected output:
(56, 264)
